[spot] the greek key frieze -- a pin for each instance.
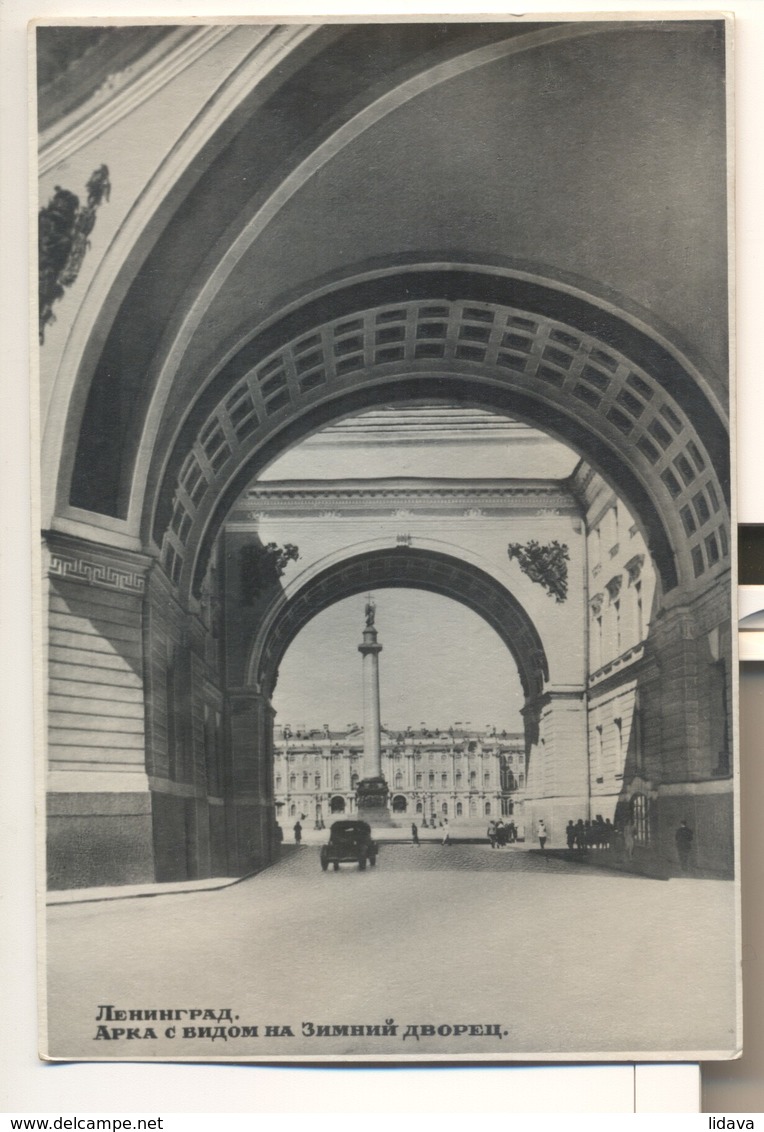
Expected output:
(96, 573)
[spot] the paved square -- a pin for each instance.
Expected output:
(563, 957)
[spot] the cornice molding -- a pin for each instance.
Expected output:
(624, 667)
(329, 501)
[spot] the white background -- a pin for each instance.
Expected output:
(26, 1085)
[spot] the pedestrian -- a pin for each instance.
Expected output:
(570, 834)
(446, 840)
(491, 834)
(297, 832)
(628, 839)
(609, 831)
(541, 833)
(683, 838)
(598, 832)
(278, 836)
(415, 834)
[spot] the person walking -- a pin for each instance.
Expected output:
(297, 832)
(445, 840)
(415, 835)
(683, 838)
(628, 839)
(570, 834)
(541, 833)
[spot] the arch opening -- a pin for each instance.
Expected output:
(401, 567)
(427, 668)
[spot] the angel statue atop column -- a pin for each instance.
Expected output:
(370, 611)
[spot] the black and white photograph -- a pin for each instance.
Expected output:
(386, 682)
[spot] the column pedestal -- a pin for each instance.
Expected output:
(372, 797)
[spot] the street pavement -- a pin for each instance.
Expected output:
(557, 958)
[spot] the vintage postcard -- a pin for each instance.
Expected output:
(387, 521)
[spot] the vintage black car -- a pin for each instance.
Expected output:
(349, 841)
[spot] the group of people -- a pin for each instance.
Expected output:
(501, 833)
(600, 834)
(597, 833)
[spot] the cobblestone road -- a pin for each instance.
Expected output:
(566, 959)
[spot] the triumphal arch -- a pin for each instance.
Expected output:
(316, 223)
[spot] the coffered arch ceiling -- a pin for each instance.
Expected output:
(413, 568)
(569, 160)
(577, 370)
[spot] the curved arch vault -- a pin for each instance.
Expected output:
(624, 401)
(400, 567)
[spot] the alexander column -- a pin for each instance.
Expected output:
(372, 792)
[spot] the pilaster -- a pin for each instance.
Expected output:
(557, 784)
(97, 783)
(251, 813)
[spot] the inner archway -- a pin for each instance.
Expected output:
(451, 712)
(441, 665)
(400, 567)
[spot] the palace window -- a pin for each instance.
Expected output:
(444, 780)
(598, 753)
(292, 781)
(431, 778)
(636, 735)
(459, 809)
(337, 779)
(488, 809)
(618, 725)
(419, 780)
(640, 816)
